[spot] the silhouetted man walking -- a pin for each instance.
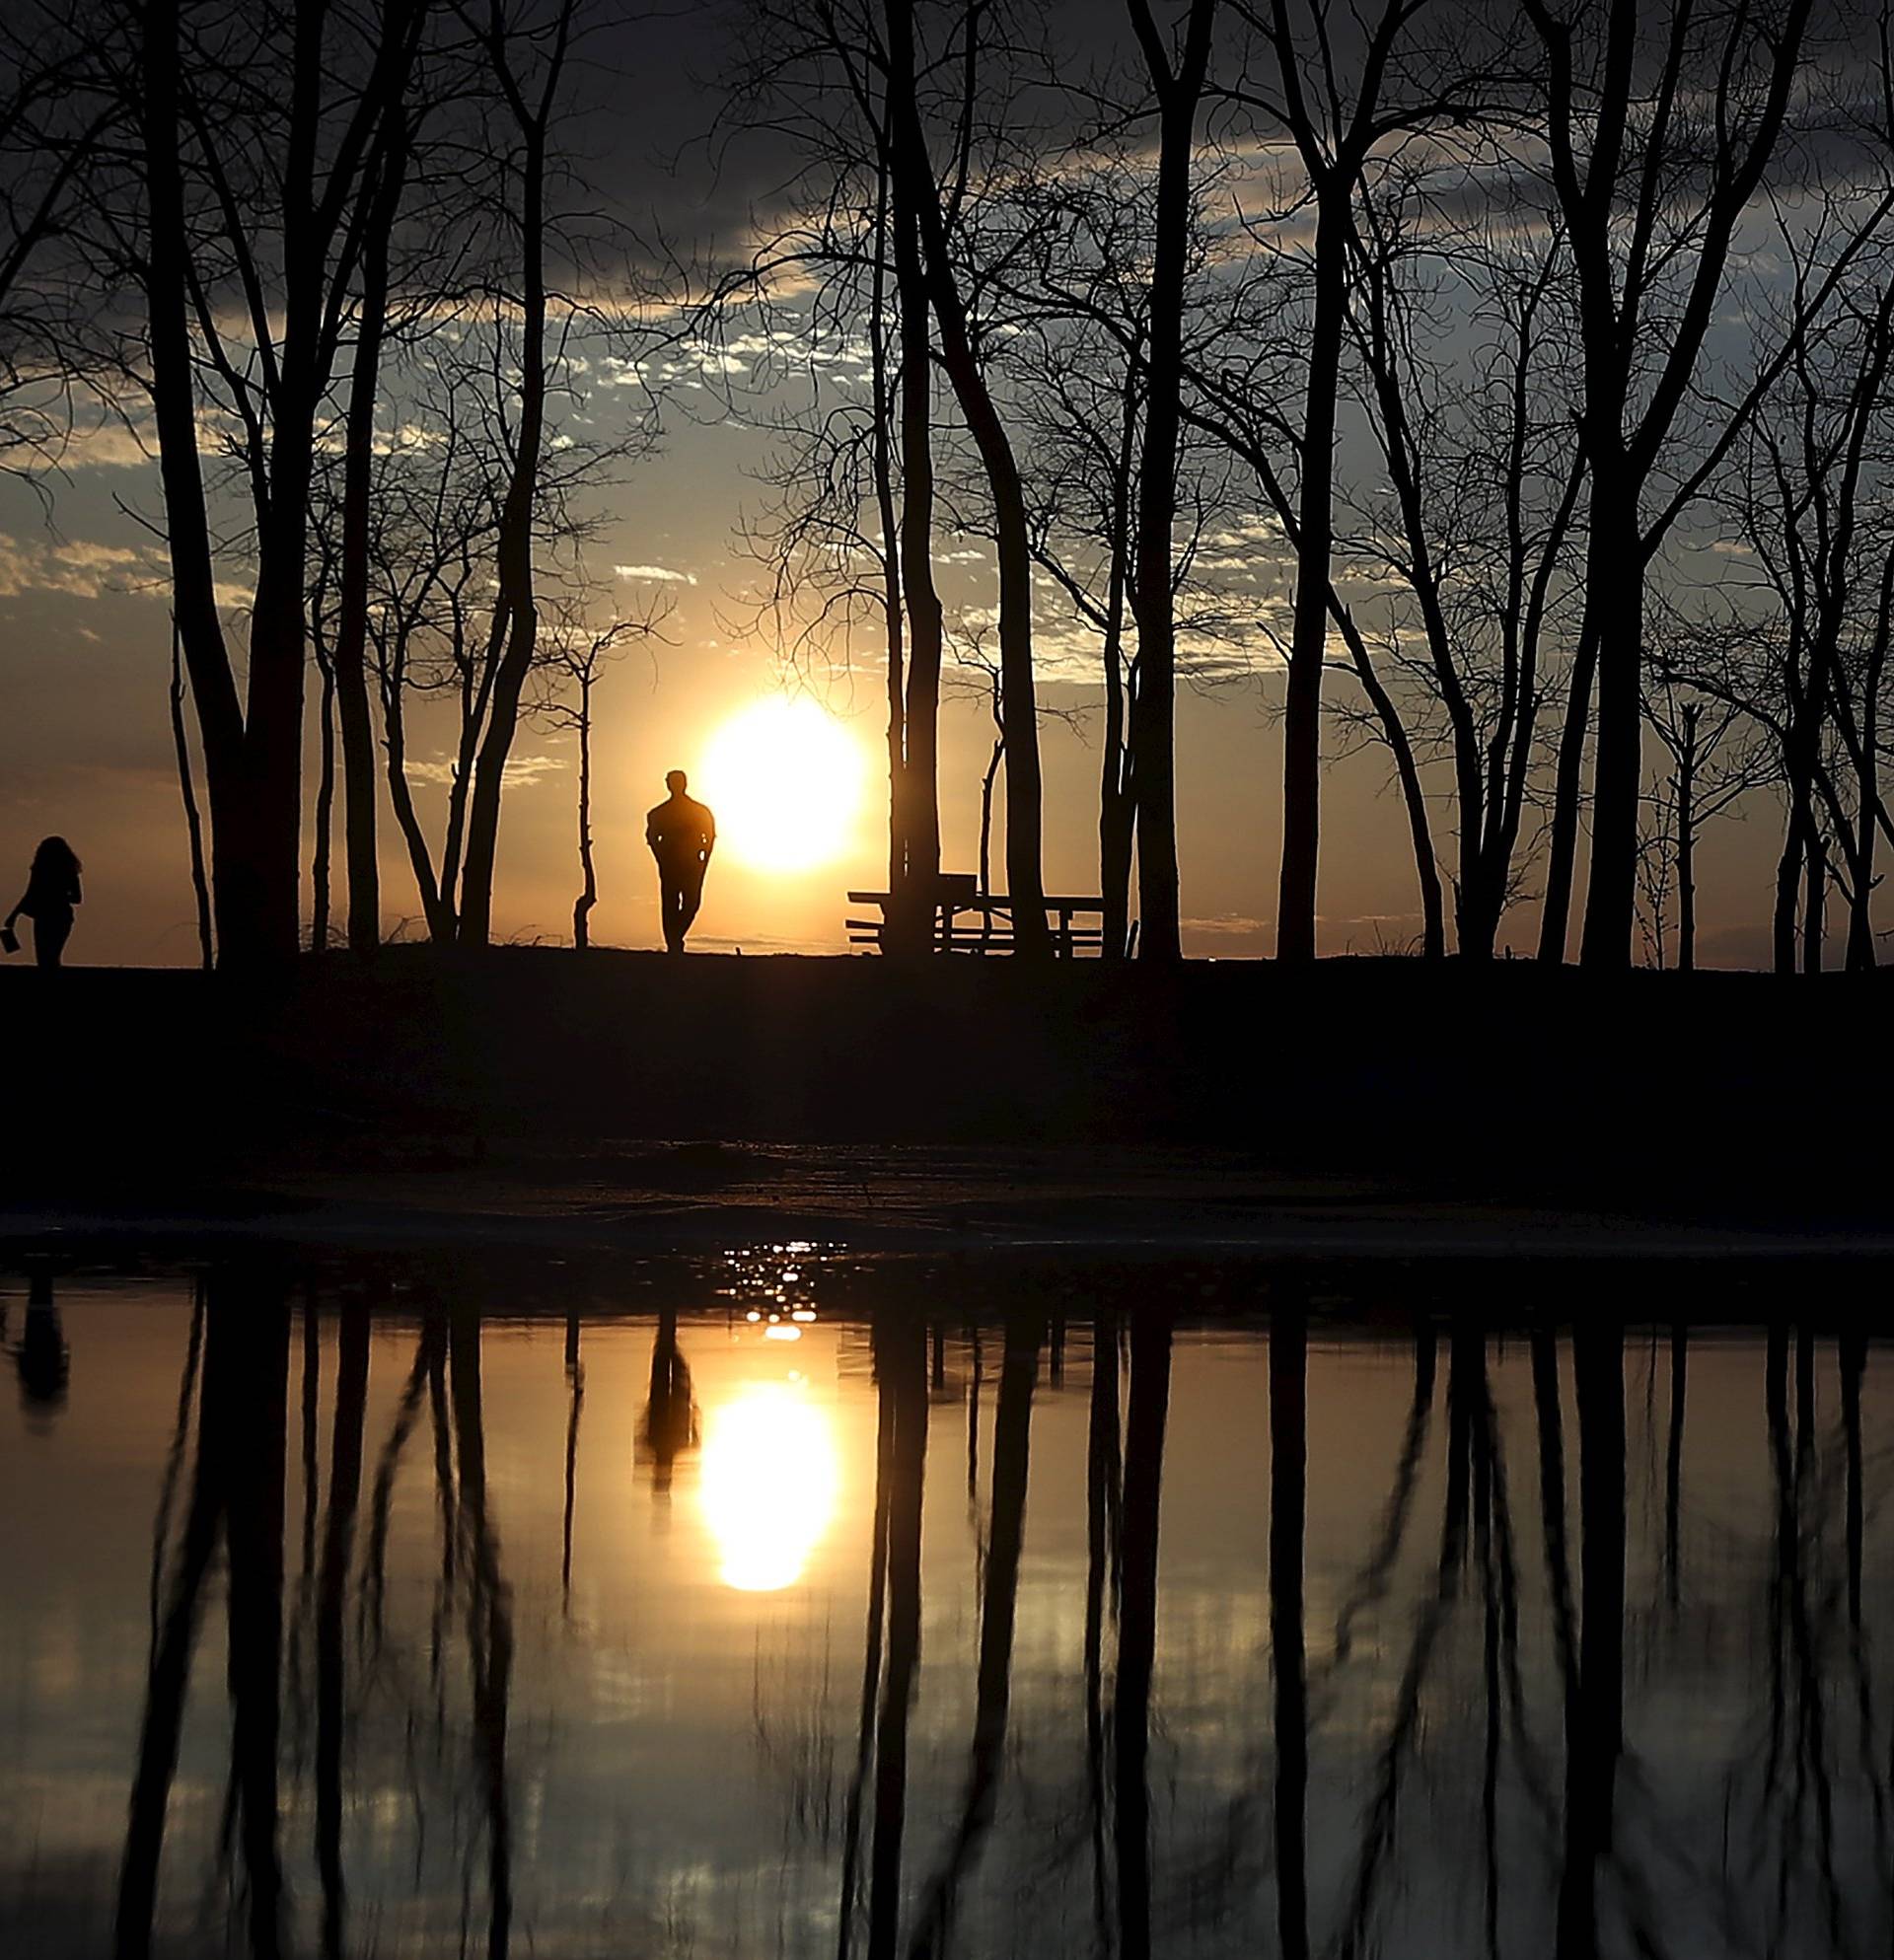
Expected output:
(682, 834)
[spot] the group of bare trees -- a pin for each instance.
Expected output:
(332, 264)
(1535, 356)
(1515, 379)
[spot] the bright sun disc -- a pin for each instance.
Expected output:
(785, 779)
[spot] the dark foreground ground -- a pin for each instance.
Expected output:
(623, 1096)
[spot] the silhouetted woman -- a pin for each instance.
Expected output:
(53, 889)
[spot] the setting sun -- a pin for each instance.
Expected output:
(786, 781)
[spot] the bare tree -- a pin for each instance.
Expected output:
(1661, 124)
(919, 198)
(1461, 344)
(254, 170)
(526, 43)
(580, 653)
(1337, 92)
(1712, 767)
(1177, 78)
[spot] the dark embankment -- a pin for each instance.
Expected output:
(1737, 1096)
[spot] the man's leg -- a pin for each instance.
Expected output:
(670, 906)
(689, 901)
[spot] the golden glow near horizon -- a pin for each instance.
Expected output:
(785, 779)
(768, 1483)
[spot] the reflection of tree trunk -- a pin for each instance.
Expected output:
(1149, 1404)
(381, 1502)
(872, 1639)
(338, 1539)
(1468, 1351)
(1477, 1396)
(1595, 1714)
(175, 1457)
(1551, 1504)
(311, 1404)
(1102, 1508)
(1012, 1426)
(902, 1365)
(973, 1381)
(1674, 1461)
(1380, 1813)
(489, 1624)
(1853, 1357)
(1289, 1492)
(253, 1526)
(575, 1388)
(170, 1671)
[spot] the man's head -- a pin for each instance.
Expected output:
(677, 783)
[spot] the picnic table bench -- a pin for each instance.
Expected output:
(989, 923)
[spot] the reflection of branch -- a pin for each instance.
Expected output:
(344, 1490)
(174, 1456)
(900, 1365)
(1103, 1499)
(1288, 1514)
(1149, 1405)
(871, 1662)
(489, 1624)
(406, 1413)
(999, 1602)
(575, 1384)
(1377, 1832)
(1371, 1586)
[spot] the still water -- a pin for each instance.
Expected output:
(787, 1605)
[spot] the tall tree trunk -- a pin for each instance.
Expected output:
(881, 466)
(589, 893)
(979, 411)
(920, 774)
(351, 632)
(1687, 845)
(1315, 551)
(516, 617)
(1615, 576)
(1568, 797)
(324, 803)
(1154, 708)
(1815, 906)
(1117, 769)
(213, 686)
(1788, 882)
(194, 825)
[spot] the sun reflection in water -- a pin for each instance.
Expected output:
(769, 1482)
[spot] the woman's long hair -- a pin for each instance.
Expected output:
(56, 856)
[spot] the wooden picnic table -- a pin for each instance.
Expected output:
(993, 927)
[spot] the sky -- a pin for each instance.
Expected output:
(86, 751)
